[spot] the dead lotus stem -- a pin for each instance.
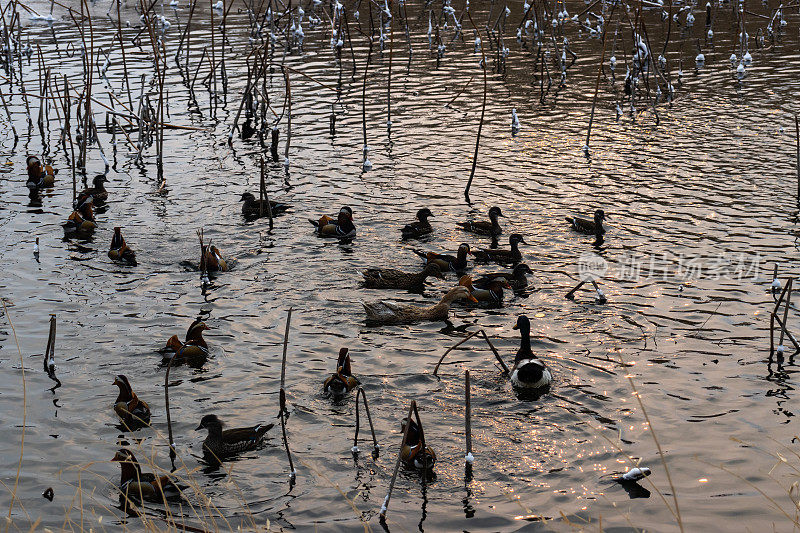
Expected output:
(467, 416)
(172, 454)
(285, 348)
(360, 393)
(385, 506)
(483, 113)
(597, 81)
(456, 345)
(283, 410)
(496, 354)
(787, 303)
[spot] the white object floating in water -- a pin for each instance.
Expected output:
(740, 69)
(780, 349)
(469, 458)
(700, 58)
(776, 283)
(710, 34)
(219, 6)
(635, 474)
(747, 58)
(355, 449)
(734, 58)
(514, 121)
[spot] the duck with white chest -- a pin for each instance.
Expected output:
(529, 372)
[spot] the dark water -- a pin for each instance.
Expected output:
(711, 187)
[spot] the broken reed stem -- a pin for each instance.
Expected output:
(797, 139)
(389, 76)
(571, 293)
(264, 196)
(788, 333)
(456, 345)
(467, 414)
(285, 348)
(496, 354)
(288, 121)
(292, 473)
(597, 81)
(385, 506)
(786, 308)
(51, 345)
(483, 113)
(360, 392)
(172, 454)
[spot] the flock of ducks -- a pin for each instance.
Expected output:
(529, 373)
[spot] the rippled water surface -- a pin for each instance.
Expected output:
(705, 188)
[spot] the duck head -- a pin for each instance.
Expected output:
(125, 390)
(247, 197)
(129, 465)
(194, 335)
(345, 214)
(463, 251)
(523, 324)
(515, 239)
(211, 423)
(466, 281)
(423, 214)
(433, 270)
(521, 269)
(117, 241)
(86, 209)
(599, 216)
(343, 362)
(495, 212)
(98, 181)
(34, 167)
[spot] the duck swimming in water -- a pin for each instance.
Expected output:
(516, 278)
(413, 455)
(81, 222)
(341, 226)
(447, 263)
(119, 250)
(389, 278)
(499, 255)
(39, 176)
(252, 208)
(391, 313)
(223, 443)
(528, 372)
(139, 486)
(343, 381)
(98, 192)
(211, 260)
(132, 411)
(419, 227)
(589, 227)
(194, 349)
(491, 228)
(492, 293)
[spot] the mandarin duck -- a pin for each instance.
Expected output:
(340, 226)
(211, 259)
(493, 293)
(391, 313)
(132, 411)
(528, 372)
(389, 278)
(499, 255)
(223, 443)
(491, 228)
(138, 486)
(446, 262)
(589, 227)
(39, 176)
(194, 349)
(98, 192)
(81, 222)
(516, 278)
(252, 208)
(412, 454)
(419, 227)
(343, 381)
(119, 250)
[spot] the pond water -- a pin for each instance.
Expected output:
(701, 201)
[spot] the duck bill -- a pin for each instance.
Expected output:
(472, 299)
(198, 428)
(515, 326)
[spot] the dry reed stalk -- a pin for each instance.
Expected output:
(172, 453)
(456, 345)
(360, 392)
(597, 81)
(467, 418)
(483, 113)
(285, 347)
(797, 160)
(288, 118)
(24, 416)
(385, 506)
(787, 304)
